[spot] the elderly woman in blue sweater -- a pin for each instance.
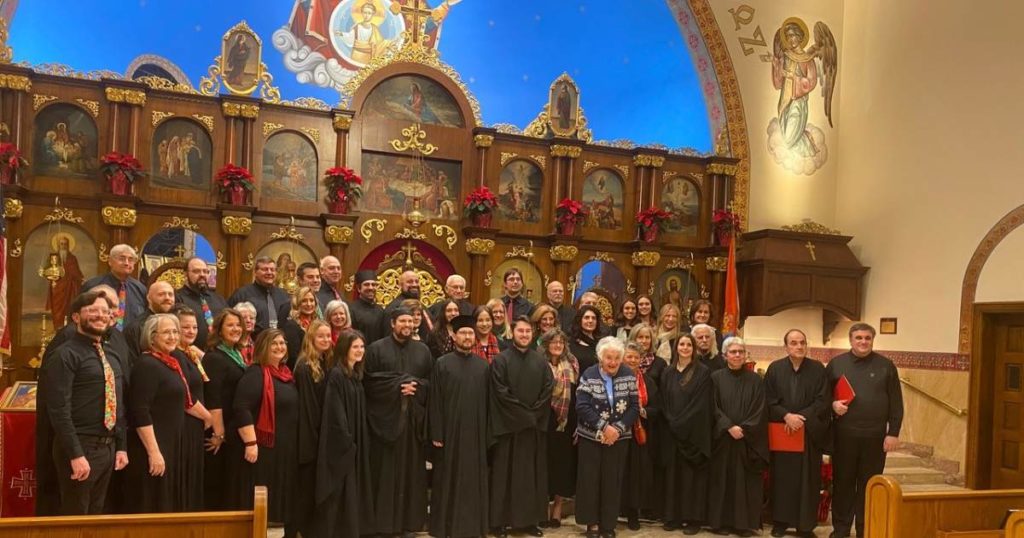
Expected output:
(607, 405)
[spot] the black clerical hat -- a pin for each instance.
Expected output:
(364, 275)
(463, 321)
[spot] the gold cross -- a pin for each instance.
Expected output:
(180, 251)
(810, 248)
(417, 14)
(408, 249)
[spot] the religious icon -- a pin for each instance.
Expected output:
(289, 167)
(679, 197)
(181, 156)
(165, 252)
(65, 142)
(519, 191)
(286, 274)
(678, 287)
(392, 182)
(240, 62)
(602, 192)
(563, 106)
(64, 275)
(20, 397)
(286, 254)
(57, 261)
(794, 142)
(413, 98)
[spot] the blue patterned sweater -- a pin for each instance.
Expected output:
(593, 409)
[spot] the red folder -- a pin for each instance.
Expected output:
(779, 440)
(844, 391)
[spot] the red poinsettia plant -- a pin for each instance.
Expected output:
(343, 184)
(114, 162)
(10, 156)
(726, 222)
(231, 177)
(652, 217)
(569, 210)
(480, 201)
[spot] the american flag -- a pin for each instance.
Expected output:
(5, 333)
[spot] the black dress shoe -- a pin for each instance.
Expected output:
(633, 523)
(778, 532)
(500, 532)
(555, 523)
(670, 526)
(720, 532)
(691, 530)
(592, 534)
(534, 531)
(608, 534)
(745, 533)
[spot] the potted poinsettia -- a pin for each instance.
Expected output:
(568, 214)
(343, 187)
(650, 221)
(235, 183)
(121, 171)
(10, 162)
(726, 224)
(479, 206)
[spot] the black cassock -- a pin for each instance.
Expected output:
(398, 462)
(311, 403)
(458, 418)
(796, 477)
(368, 318)
(343, 498)
(685, 443)
(642, 482)
(192, 438)
(520, 399)
(736, 491)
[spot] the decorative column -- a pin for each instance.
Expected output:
(563, 256)
(479, 249)
(125, 105)
(237, 226)
(482, 141)
(240, 118)
(646, 165)
(342, 123)
(338, 233)
(643, 260)
(14, 86)
(721, 173)
(716, 266)
(564, 158)
(120, 220)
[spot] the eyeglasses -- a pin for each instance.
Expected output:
(168, 332)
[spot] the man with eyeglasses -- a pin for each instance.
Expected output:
(197, 295)
(131, 294)
(454, 290)
(272, 303)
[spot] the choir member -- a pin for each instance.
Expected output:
(315, 359)
(270, 302)
(865, 428)
(643, 336)
(562, 425)
(366, 315)
(86, 407)
(641, 486)
(458, 431)
(131, 294)
(194, 431)
(796, 394)
(513, 301)
(224, 365)
(454, 290)
(159, 300)
(667, 331)
(607, 406)
(701, 311)
(302, 313)
(248, 341)
(396, 384)
(626, 320)
(409, 288)
(337, 315)
(344, 500)
(556, 298)
(266, 413)
(707, 347)
(586, 329)
(741, 446)
(645, 311)
(420, 330)
(330, 274)
(544, 318)
(197, 295)
(685, 446)
(441, 340)
(519, 405)
(486, 346)
(500, 325)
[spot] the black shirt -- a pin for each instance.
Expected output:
(257, 295)
(75, 393)
(326, 294)
(368, 318)
(877, 407)
(135, 294)
(520, 307)
(194, 300)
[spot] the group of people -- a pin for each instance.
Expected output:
(162, 400)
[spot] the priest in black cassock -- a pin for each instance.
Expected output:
(396, 383)
(796, 393)
(458, 431)
(520, 398)
(740, 452)
(367, 316)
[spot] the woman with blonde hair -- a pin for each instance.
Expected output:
(314, 361)
(667, 331)
(303, 313)
(500, 326)
(544, 318)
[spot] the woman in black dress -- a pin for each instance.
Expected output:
(158, 395)
(586, 329)
(562, 424)
(194, 431)
(640, 492)
(224, 366)
(303, 313)
(441, 340)
(315, 360)
(266, 417)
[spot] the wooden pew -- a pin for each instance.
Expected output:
(241, 524)
(892, 513)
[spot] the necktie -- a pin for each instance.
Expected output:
(122, 306)
(207, 315)
(509, 311)
(273, 309)
(109, 394)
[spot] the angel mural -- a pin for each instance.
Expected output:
(794, 142)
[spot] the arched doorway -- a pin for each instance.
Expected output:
(391, 259)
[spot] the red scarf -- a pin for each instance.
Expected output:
(639, 432)
(266, 421)
(305, 321)
(247, 351)
(173, 364)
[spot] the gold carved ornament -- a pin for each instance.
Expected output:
(443, 230)
(488, 279)
(564, 253)
(483, 141)
(236, 225)
(309, 103)
(121, 217)
(249, 263)
(312, 132)
(415, 138)
(206, 120)
(92, 106)
(366, 230)
(342, 122)
(159, 116)
(389, 286)
(160, 83)
(288, 232)
(653, 161)
(722, 169)
(519, 252)
(59, 213)
(220, 263)
(646, 258)
(407, 233)
(630, 288)
(507, 156)
(239, 110)
(479, 246)
(811, 227)
(13, 208)
(541, 160)
(571, 152)
(61, 70)
(338, 235)
(588, 165)
(122, 95)
(623, 169)
(174, 276)
(15, 82)
(6, 52)
(602, 257)
(103, 255)
(16, 249)
(269, 127)
(680, 263)
(39, 100)
(717, 264)
(178, 222)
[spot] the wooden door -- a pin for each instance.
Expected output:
(1008, 401)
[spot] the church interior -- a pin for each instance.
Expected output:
(232, 132)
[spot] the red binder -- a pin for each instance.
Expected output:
(779, 440)
(844, 391)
